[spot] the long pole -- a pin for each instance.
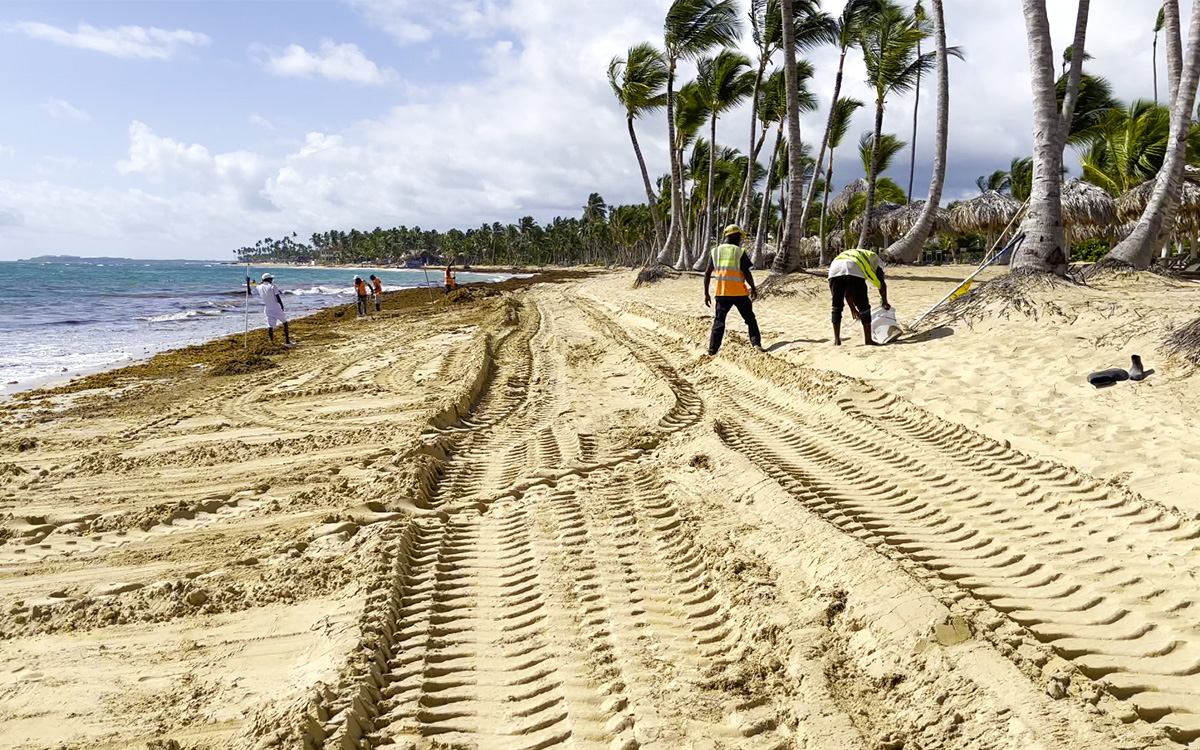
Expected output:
(427, 286)
(1015, 241)
(246, 335)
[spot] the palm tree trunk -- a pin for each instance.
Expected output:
(864, 237)
(1043, 248)
(712, 168)
(1154, 57)
(676, 228)
(1174, 50)
(824, 209)
(760, 236)
(651, 199)
(747, 197)
(1158, 219)
(837, 92)
(912, 163)
(909, 248)
(788, 255)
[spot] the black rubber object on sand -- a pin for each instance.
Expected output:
(1137, 372)
(1107, 377)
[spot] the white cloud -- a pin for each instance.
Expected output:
(532, 134)
(411, 21)
(7, 150)
(129, 42)
(238, 175)
(335, 62)
(262, 122)
(61, 109)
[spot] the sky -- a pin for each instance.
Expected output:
(178, 129)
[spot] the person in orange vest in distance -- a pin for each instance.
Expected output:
(730, 263)
(377, 290)
(360, 288)
(450, 283)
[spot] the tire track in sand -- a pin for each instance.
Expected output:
(1101, 577)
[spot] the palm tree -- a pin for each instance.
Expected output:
(1020, 178)
(596, 210)
(638, 82)
(922, 20)
(998, 181)
(813, 28)
(841, 114)
(724, 82)
(1127, 146)
(893, 67)
(1159, 23)
(1043, 248)
(692, 28)
(1093, 99)
(908, 248)
(889, 146)
(773, 110)
(690, 115)
(848, 31)
(788, 250)
(1068, 53)
(1150, 234)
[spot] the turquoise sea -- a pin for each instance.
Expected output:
(67, 315)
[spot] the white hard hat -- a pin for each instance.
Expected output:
(267, 277)
(358, 278)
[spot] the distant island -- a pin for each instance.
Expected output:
(104, 259)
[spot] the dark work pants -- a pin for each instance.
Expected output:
(839, 286)
(746, 308)
(362, 305)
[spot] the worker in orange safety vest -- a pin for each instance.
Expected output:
(730, 263)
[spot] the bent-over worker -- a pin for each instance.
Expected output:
(730, 263)
(450, 283)
(272, 306)
(848, 277)
(376, 290)
(360, 289)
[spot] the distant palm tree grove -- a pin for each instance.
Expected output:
(1133, 203)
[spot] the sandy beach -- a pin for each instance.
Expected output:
(540, 515)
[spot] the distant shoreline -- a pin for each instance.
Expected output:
(220, 349)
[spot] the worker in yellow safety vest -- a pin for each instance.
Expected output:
(730, 263)
(848, 277)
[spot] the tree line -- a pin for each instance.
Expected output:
(602, 235)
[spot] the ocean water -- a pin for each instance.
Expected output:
(59, 317)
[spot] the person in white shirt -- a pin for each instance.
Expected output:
(273, 307)
(848, 277)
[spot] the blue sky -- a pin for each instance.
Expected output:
(185, 129)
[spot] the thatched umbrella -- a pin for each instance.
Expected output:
(1085, 204)
(1187, 221)
(836, 240)
(880, 211)
(898, 222)
(1131, 205)
(988, 213)
(841, 201)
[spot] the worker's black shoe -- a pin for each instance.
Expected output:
(1137, 372)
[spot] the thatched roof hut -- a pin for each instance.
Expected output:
(1084, 203)
(987, 213)
(897, 223)
(880, 211)
(1131, 205)
(841, 201)
(836, 240)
